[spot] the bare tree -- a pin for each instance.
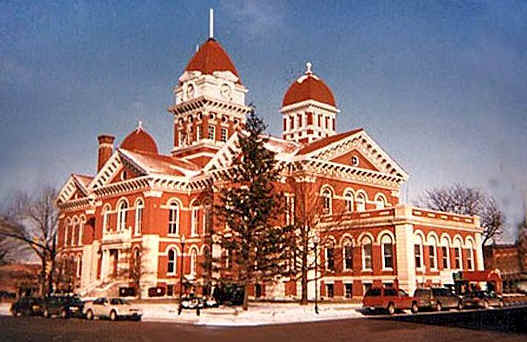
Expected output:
(522, 244)
(32, 220)
(306, 211)
(11, 250)
(465, 200)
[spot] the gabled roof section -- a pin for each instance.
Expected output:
(225, 155)
(151, 163)
(336, 145)
(319, 144)
(75, 183)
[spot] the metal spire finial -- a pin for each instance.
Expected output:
(139, 125)
(211, 23)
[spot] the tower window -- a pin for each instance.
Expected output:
(199, 132)
(212, 132)
(224, 134)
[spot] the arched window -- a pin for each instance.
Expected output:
(387, 252)
(105, 212)
(67, 225)
(432, 252)
(470, 256)
(122, 214)
(380, 201)
(347, 251)
(445, 251)
(75, 232)
(195, 219)
(139, 205)
(172, 261)
(193, 261)
(327, 198)
(348, 198)
(366, 253)
(361, 202)
(82, 221)
(418, 251)
(457, 254)
(173, 218)
(330, 256)
(206, 219)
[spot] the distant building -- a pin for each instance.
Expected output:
(19, 279)
(140, 202)
(508, 260)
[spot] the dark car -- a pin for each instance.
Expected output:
(482, 299)
(437, 299)
(27, 306)
(64, 306)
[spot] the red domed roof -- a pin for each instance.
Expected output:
(140, 140)
(211, 57)
(308, 87)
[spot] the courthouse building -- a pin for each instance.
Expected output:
(141, 202)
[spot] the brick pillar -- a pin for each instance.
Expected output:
(105, 149)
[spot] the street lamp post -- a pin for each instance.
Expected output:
(181, 275)
(315, 243)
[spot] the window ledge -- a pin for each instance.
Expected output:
(387, 269)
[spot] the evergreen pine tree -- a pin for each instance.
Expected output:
(248, 215)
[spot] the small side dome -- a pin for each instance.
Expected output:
(140, 140)
(308, 87)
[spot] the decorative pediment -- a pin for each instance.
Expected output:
(108, 171)
(368, 149)
(73, 189)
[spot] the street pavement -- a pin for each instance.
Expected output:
(56, 330)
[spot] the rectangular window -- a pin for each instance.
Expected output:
(457, 253)
(470, 259)
(224, 134)
(329, 290)
(418, 259)
(349, 290)
(199, 132)
(388, 255)
(299, 120)
(432, 257)
(181, 138)
(195, 221)
(291, 122)
(366, 250)
(348, 257)
(367, 287)
(444, 251)
(138, 219)
(212, 132)
(330, 259)
(173, 221)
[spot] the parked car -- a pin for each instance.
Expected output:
(437, 298)
(482, 299)
(390, 299)
(64, 306)
(27, 306)
(112, 308)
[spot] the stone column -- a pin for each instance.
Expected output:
(479, 252)
(404, 240)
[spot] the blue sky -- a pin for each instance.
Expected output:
(440, 85)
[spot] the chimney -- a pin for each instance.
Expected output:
(105, 149)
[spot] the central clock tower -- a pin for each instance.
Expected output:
(209, 104)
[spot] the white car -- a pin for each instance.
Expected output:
(112, 308)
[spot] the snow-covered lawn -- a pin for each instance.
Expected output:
(4, 309)
(258, 314)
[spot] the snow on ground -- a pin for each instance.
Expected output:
(258, 314)
(4, 309)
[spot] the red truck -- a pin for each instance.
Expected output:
(390, 299)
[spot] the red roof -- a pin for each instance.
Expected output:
(211, 57)
(162, 164)
(315, 145)
(309, 87)
(140, 140)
